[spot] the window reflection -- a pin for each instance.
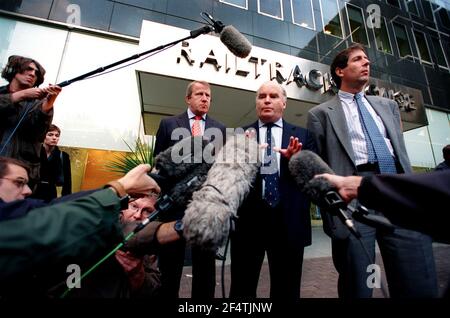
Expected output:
(302, 13)
(357, 25)
(237, 3)
(440, 57)
(271, 8)
(401, 37)
(382, 39)
(331, 18)
(411, 6)
(422, 46)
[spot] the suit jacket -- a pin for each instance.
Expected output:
(328, 124)
(168, 125)
(408, 198)
(295, 206)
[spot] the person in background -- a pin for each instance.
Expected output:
(55, 168)
(444, 165)
(26, 112)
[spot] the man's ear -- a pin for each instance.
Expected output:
(339, 72)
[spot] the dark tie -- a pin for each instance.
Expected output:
(269, 171)
(376, 146)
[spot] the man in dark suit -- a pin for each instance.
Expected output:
(274, 218)
(194, 121)
(362, 135)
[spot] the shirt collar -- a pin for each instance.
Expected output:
(278, 123)
(348, 96)
(191, 115)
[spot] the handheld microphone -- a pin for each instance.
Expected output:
(303, 166)
(207, 217)
(181, 172)
(230, 37)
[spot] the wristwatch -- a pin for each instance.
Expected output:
(179, 227)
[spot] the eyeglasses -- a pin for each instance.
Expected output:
(133, 208)
(20, 183)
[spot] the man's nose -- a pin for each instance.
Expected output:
(26, 191)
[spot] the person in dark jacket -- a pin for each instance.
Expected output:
(407, 199)
(26, 112)
(55, 168)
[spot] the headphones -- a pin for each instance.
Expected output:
(10, 70)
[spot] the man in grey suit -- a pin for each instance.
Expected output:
(350, 130)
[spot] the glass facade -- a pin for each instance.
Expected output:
(302, 13)
(401, 37)
(422, 46)
(357, 25)
(382, 38)
(331, 18)
(312, 29)
(272, 8)
(238, 3)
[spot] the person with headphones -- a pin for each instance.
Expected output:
(26, 111)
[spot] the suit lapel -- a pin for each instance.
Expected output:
(183, 121)
(339, 123)
(288, 131)
(382, 110)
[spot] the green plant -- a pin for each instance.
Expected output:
(142, 153)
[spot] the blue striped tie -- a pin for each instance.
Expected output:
(376, 146)
(270, 172)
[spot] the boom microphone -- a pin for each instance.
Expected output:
(235, 41)
(231, 37)
(303, 166)
(207, 217)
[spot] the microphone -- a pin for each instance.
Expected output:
(207, 218)
(181, 172)
(230, 37)
(303, 166)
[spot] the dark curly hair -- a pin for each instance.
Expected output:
(18, 64)
(341, 59)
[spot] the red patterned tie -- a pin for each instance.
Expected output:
(196, 129)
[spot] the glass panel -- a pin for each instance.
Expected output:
(382, 37)
(439, 128)
(445, 20)
(93, 14)
(426, 5)
(424, 53)
(237, 3)
(357, 25)
(439, 52)
(36, 8)
(271, 7)
(331, 18)
(418, 147)
(412, 7)
(395, 3)
(402, 40)
(33, 41)
(302, 13)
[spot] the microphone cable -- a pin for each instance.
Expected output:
(167, 200)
